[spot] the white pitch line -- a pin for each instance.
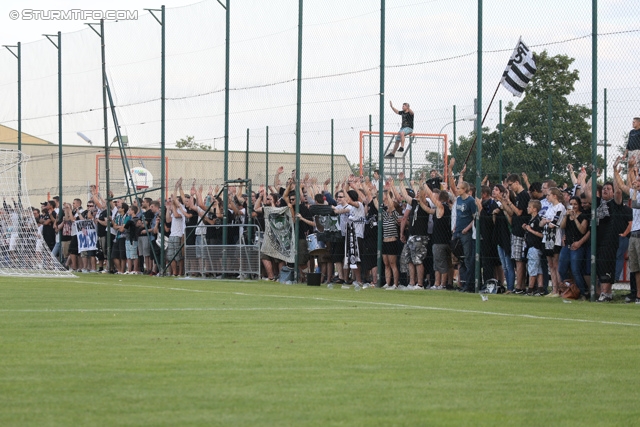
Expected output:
(133, 310)
(385, 304)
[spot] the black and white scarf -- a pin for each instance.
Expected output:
(351, 250)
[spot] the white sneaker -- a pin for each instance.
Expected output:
(386, 286)
(391, 288)
(367, 286)
(356, 286)
(418, 288)
(345, 286)
(439, 288)
(411, 287)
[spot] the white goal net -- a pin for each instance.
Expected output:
(23, 250)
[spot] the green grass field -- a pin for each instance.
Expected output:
(127, 350)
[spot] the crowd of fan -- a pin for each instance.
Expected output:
(532, 235)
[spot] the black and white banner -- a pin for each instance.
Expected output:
(278, 234)
(87, 235)
(520, 69)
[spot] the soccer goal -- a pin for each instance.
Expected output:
(23, 251)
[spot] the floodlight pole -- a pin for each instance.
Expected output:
(60, 195)
(381, 143)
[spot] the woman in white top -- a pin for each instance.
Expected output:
(356, 216)
(553, 235)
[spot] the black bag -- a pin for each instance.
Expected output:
(456, 248)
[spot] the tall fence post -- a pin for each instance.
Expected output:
(370, 147)
(332, 161)
(500, 143)
(266, 161)
(479, 146)
(298, 127)
(246, 158)
(594, 140)
(605, 134)
(60, 192)
(549, 135)
(163, 178)
(381, 141)
(453, 144)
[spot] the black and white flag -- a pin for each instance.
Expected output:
(520, 69)
(279, 234)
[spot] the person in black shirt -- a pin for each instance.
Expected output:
(516, 209)
(488, 245)
(303, 230)
(607, 239)
(405, 129)
(633, 144)
(533, 241)
(576, 236)
(434, 180)
(502, 235)
(441, 237)
(145, 240)
(47, 220)
(415, 248)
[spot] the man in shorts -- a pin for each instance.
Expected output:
(415, 248)
(405, 129)
(518, 212)
(176, 214)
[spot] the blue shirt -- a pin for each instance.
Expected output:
(465, 209)
(634, 140)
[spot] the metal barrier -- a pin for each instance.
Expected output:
(211, 259)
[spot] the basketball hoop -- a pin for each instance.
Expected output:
(141, 178)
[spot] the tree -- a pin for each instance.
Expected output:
(190, 143)
(525, 130)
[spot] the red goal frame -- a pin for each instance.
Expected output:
(444, 136)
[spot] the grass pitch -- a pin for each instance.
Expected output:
(133, 350)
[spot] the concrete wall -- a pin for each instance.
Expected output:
(82, 166)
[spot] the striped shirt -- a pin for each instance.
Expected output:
(390, 227)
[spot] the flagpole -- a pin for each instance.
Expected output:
(483, 118)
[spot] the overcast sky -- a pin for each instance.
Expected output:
(430, 58)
